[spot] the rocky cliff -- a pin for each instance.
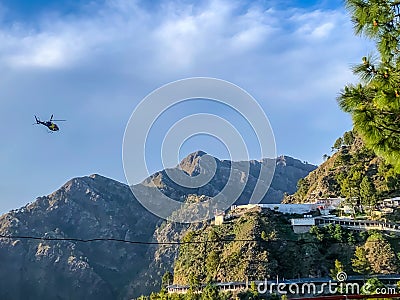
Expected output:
(84, 208)
(287, 173)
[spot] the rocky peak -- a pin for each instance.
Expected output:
(190, 164)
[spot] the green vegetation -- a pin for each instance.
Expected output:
(250, 294)
(360, 262)
(302, 188)
(229, 261)
(166, 280)
(277, 251)
(379, 255)
(374, 103)
(372, 285)
(353, 172)
(337, 269)
(261, 244)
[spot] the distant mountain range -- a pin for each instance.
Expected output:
(287, 172)
(98, 207)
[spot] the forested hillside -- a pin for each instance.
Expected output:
(353, 171)
(260, 244)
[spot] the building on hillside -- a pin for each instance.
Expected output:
(347, 209)
(302, 225)
(302, 208)
(383, 211)
(391, 202)
(219, 218)
(330, 203)
(244, 207)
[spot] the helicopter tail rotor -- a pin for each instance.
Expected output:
(51, 119)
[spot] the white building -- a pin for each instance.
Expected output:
(283, 208)
(219, 218)
(302, 225)
(392, 202)
(330, 203)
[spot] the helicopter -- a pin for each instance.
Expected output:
(49, 124)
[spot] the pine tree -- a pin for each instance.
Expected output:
(212, 265)
(348, 138)
(374, 103)
(380, 255)
(338, 143)
(166, 280)
(337, 269)
(368, 193)
(360, 262)
(210, 292)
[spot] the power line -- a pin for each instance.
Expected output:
(17, 237)
(299, 242)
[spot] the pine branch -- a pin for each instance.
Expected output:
(385, 126)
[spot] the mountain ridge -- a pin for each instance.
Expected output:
(97, 207)
(288, 171)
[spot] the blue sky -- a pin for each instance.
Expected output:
(92, 62)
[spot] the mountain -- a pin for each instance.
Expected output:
(98, 207)
(82, 208)
(353, 171)
(287, 173)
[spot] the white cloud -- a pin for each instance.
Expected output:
(92, 68)
(41, 51)
(298, 56)
(181, 37)
(322, 30)
(320, 24)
